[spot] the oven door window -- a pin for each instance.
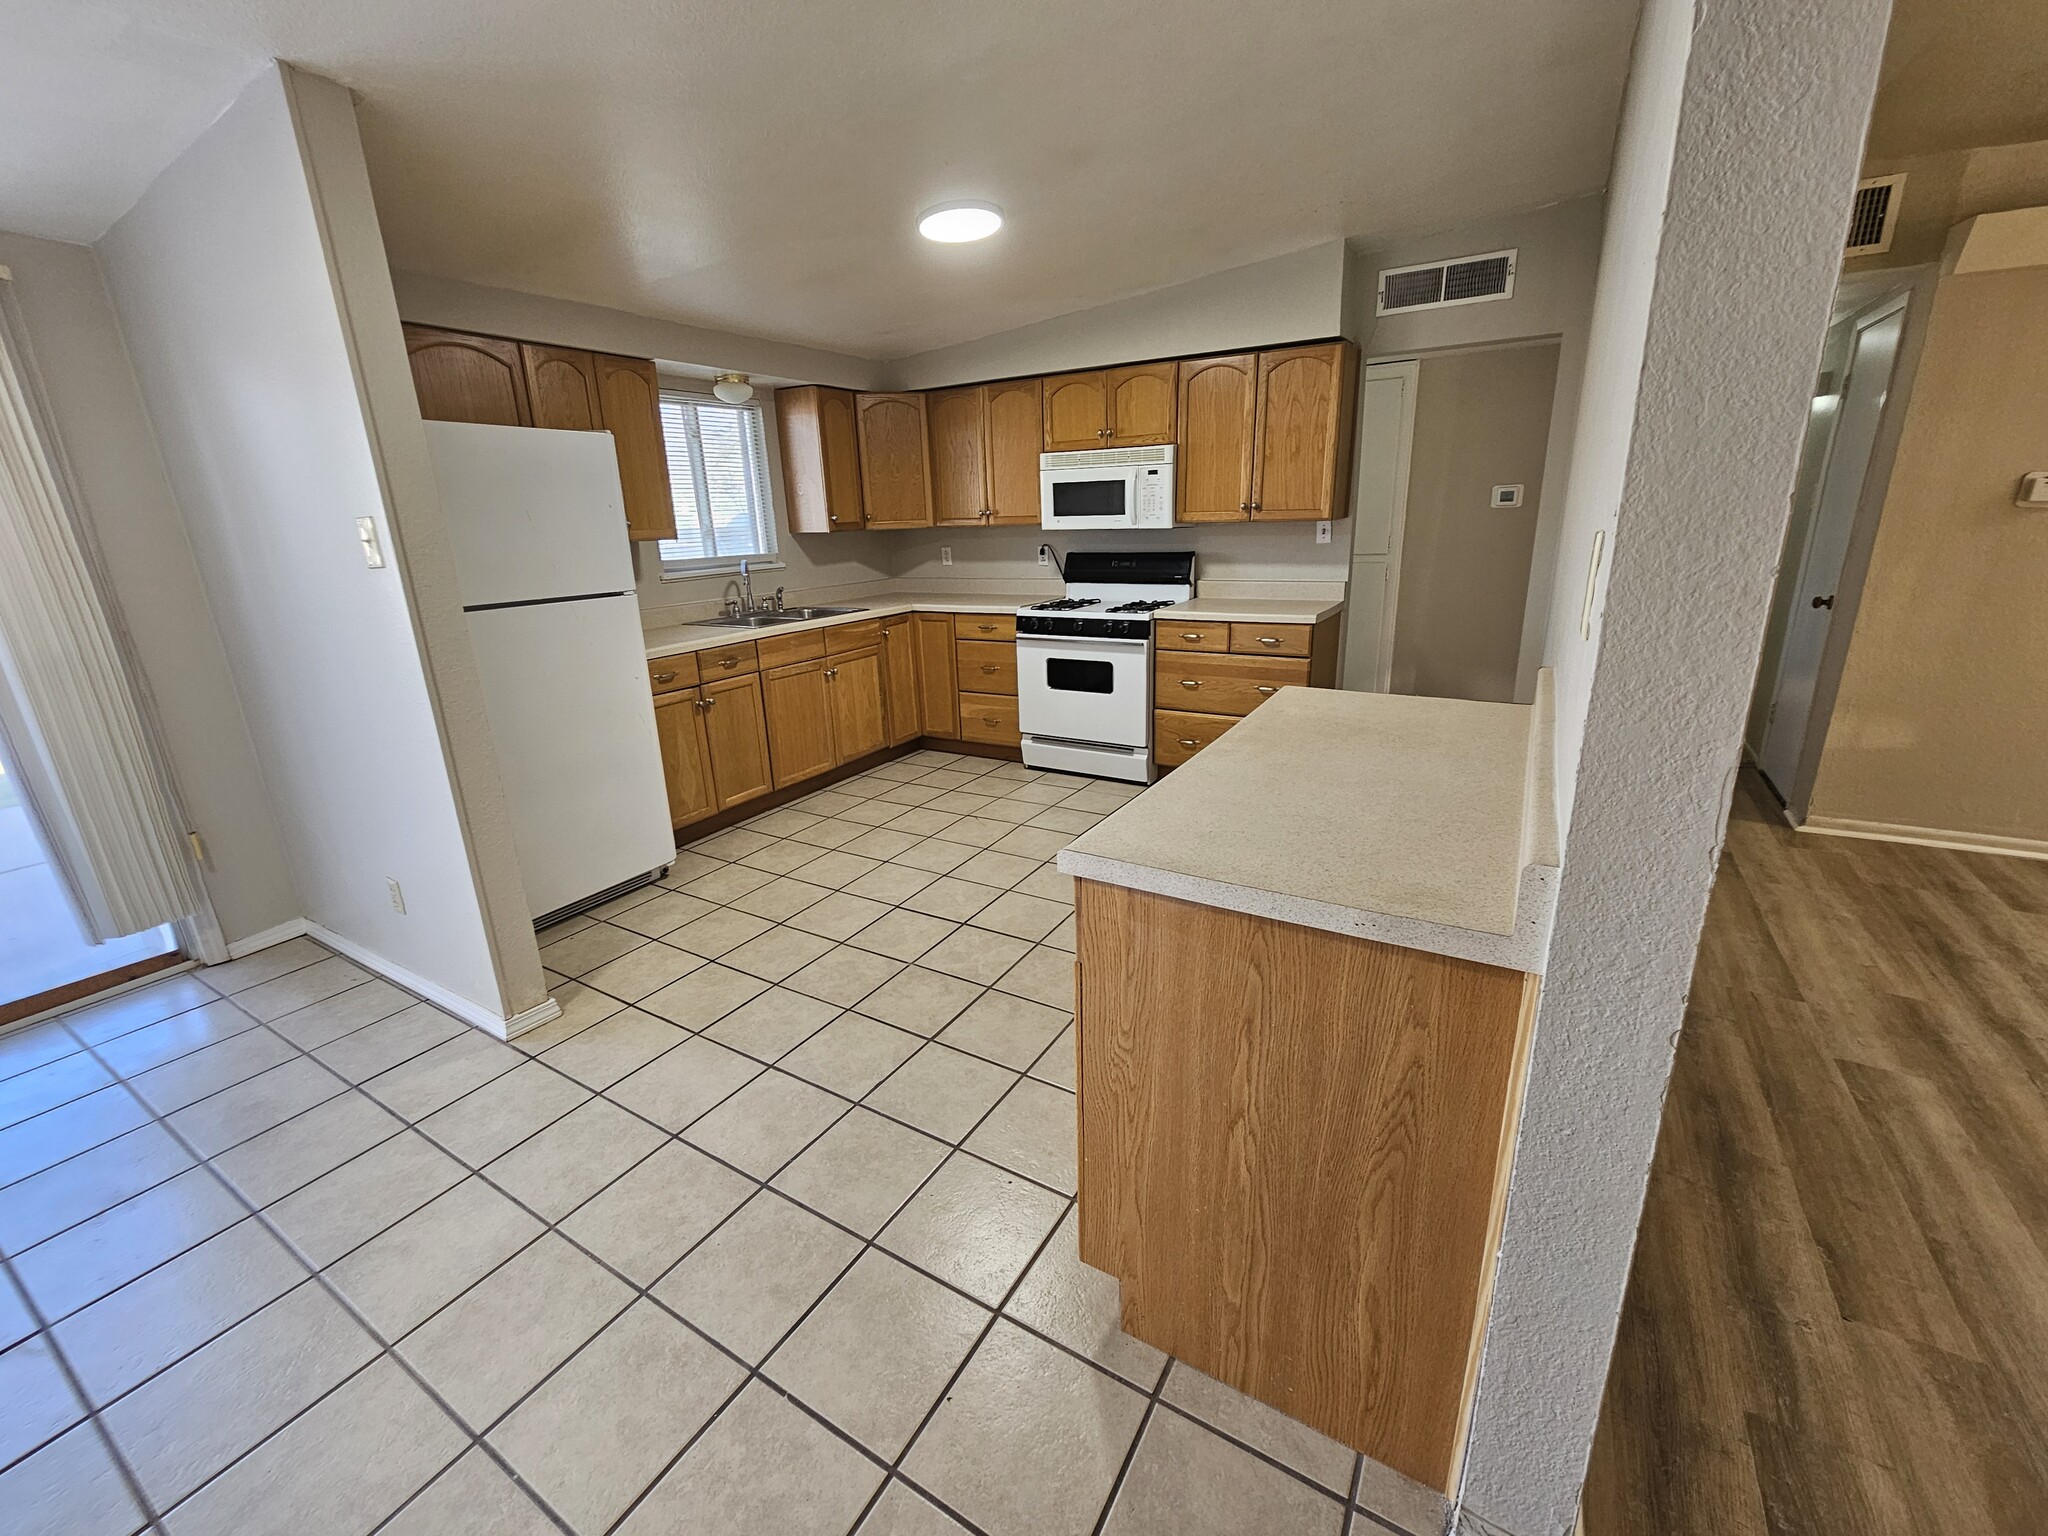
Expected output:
(1066, 674)
(1089, 498)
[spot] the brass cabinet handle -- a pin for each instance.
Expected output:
(1262, 688)
(730, 662)
(991, 669)
(1187, 741)
(1269, 639)
(706, 703)
(989, 720)
(1191, 637)
(986, 629)
(1190, 682)
(664, 677)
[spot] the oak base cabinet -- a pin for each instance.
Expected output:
(736, 737)
(899, 680)
(1208, 676)
(685, 756)
(799, 727)
(854, 698)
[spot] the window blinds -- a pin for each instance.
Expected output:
(718, 479)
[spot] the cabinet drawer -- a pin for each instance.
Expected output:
(861, 635)
(985, 626)
(1183, 636)
(1178, 735)
(726, 661)
(781, 650)
(989, 717)
(665, 674)
(1270, 639)
(1222, 685)
(986, 666)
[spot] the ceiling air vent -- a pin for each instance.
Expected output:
(1440, 284)
(1874, 215)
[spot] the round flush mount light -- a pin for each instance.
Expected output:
(955, 223)
(733, 388)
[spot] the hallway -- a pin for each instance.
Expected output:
(1838, 1316)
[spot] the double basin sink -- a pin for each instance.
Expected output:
(767, 618)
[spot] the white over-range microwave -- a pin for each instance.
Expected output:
(1106, 488)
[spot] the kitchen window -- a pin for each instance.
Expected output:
(718, 480)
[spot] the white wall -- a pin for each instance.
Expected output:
(1738, 153)
(156, 591)
(227, 293)
(1555, 274)
(1296, 297)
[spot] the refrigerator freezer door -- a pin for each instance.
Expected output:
(533, 514)
(565, 689)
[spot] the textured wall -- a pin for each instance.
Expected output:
(1738, 150)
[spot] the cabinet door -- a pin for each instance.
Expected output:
(895, 467)
(1141, 405)
(1213, 472)
(561, 388)
(820, 458)
(1300, 466)
(899, 679)
(1016, 427)
(959, 433)
(799, 722)
(736, 732)
(629, 405)
(938, 694)
(685, 756)
(853, 684)
(1076, 412)
(466, 378)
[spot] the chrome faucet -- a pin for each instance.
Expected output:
(746, 588)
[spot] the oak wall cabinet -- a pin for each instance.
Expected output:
(820, 458)
(984, 447)
(1128, 407)
(508, 383)
(1267, 437)
(895, 460)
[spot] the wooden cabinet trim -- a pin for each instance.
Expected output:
(780, 650)
(860, 635)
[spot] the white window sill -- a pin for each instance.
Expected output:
(722, 568)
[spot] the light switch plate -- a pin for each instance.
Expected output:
(366, 535)
(1323, 531)
(1507, 495)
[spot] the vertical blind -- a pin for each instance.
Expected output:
(718, 479)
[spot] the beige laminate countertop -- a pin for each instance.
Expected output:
(1428, 823)
(1248, 610)
(676, 639)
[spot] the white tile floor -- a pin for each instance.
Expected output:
(772, 1231)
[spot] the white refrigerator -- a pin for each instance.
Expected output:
(538, 523)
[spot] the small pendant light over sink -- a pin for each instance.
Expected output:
(733, 388)
(955, 223)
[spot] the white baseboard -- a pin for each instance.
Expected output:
(470, 1013)
(1927, 837)
(268, 937)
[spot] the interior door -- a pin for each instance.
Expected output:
(1386, 431)
(1871, 359)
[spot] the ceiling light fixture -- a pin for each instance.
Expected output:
(732, 388)
(954, 223)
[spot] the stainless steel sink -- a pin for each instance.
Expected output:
(769, 619)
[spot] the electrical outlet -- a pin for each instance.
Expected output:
(397, 897)
(945, 554)
(1044, 555)
(1323, 531)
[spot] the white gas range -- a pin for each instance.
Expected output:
(1084, 662)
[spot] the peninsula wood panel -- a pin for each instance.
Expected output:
(820, 458)
(459, 377)
(895, 460)
(1294, 1180)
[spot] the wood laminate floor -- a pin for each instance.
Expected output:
(1838, 1317)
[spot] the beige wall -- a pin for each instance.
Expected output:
(1941, 190)
(1942, 717)
(1482, 419)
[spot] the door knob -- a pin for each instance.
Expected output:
(1825, 602)
(706, 703)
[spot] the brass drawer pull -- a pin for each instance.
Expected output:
(1269, 639)
(1265, 689)
(986, 629)
(664, 677)
(1189, 741)
(991, 669)
(1190, 682)
(1195, 636)
(730, 662)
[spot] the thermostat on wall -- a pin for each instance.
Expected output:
(1507, 495)
(2033, 491)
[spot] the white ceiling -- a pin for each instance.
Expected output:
(756, 165)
